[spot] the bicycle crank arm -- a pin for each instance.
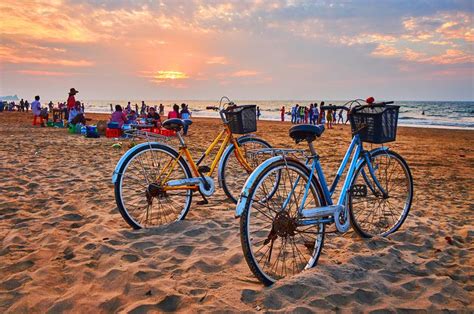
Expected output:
(321, 211)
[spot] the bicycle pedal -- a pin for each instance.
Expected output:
(203, 169)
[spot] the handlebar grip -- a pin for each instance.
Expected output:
(380, 104)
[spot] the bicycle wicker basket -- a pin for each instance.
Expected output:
(375, 125)
(242, 119)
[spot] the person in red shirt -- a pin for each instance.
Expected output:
(282, 113)
(174, 113)
(71, 101)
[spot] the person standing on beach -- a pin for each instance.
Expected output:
(162, 110)
(321, 112)
(294, 110)
(315, 113)
(282, 114)
(22, 105)
(36, 109)
(143, 108)
(27, 106)
(340, 119)
(329, 118)
(71, 101)
(258, 113)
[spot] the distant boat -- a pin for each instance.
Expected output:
(9, 98)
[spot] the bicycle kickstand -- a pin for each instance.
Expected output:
(204, 200)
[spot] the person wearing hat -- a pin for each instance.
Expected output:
(71, 101)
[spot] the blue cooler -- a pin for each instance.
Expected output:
(91, 131)
(113, 125)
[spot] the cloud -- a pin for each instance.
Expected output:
(244, 73)
(217, 60)
(45, 73)
(12, 55)
(385, 51)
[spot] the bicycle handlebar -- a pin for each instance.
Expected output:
(373, 105)
(334, 108)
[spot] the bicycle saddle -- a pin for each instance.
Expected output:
(176, 124)
(306, 132)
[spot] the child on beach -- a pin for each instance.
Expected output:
(282, 114)
(258, 113)
(36, 108)
(329, 118)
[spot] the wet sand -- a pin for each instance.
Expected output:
(65, 247)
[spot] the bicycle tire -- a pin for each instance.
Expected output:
(361, 227)
(226, 180)
(245, 234)
(118, 188)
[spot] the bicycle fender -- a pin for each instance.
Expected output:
(225, 153)
(122, 159)
(239, 209)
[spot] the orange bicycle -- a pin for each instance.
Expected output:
(154, 183)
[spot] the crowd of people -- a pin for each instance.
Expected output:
(74, 112)
(149, 114)
(314, 115)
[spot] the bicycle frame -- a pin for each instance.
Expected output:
(227, 138)
(359, 155)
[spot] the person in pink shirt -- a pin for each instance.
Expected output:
(118, 116)
(174, 113)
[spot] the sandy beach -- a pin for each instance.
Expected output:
(65, 247)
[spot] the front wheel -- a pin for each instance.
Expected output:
(276, 242)
(233, 173)
(372, 213)
(140, 189)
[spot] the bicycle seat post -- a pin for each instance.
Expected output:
(181, 140)
(312, 149)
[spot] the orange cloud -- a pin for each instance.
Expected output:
(10, 55)
(217, 60)
(245, 73)
(385, 51)
(45, 73)
(452, 56)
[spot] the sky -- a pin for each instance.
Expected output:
(275, 50)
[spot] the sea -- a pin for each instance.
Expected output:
(434, 114)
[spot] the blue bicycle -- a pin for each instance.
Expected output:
(286, 204)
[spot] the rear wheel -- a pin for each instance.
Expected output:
(275, 241)
(140, 191)
(234, 175)
(371, 213)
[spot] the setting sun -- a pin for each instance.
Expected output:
(171, 75)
